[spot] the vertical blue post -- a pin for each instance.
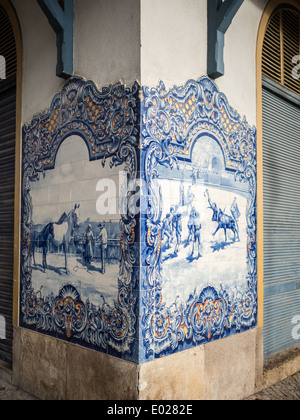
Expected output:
(220, 14)
(62, 21)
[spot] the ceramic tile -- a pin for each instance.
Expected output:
(86, 260)
(174, 266)
(199, 160)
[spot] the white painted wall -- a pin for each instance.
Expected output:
(173, 41)
(39, 82)
(239, 82)
(107, 40)
(106, 48)
(174, 48)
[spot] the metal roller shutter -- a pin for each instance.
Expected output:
(7, 185)
(281, 163)
(7, 182)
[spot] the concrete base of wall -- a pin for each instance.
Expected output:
(222, 370)
(53, 369)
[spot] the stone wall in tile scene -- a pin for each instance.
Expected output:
(79, 260)
(198, 222)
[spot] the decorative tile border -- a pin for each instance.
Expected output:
(172, 123)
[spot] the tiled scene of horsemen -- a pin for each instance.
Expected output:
(204, 223)
(70, 241)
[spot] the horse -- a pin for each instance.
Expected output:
(224, 221)
(41, 240)
(63, 230)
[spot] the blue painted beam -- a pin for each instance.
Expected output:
(220, 14)
(61, 18)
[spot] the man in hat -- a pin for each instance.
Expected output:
(88, 245)
(102, 239)
(178, 230)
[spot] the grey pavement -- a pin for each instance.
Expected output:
(10, 392)
(288, 389)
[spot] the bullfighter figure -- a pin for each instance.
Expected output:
(236, 214)
(178, 231)
(196, 231)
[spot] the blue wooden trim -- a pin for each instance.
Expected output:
(62, 22)
(219, 17)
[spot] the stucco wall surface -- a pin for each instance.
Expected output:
(51, 369)
(106, 48)
(54, 370)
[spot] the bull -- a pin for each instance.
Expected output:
(224, 221)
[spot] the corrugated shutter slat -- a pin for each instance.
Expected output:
(281, 163)
(281, 45)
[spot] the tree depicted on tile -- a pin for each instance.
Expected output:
(199, 224)
(79, 264)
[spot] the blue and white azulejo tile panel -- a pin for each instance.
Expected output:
(79, 265)
(179, 272)
(198, 227)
